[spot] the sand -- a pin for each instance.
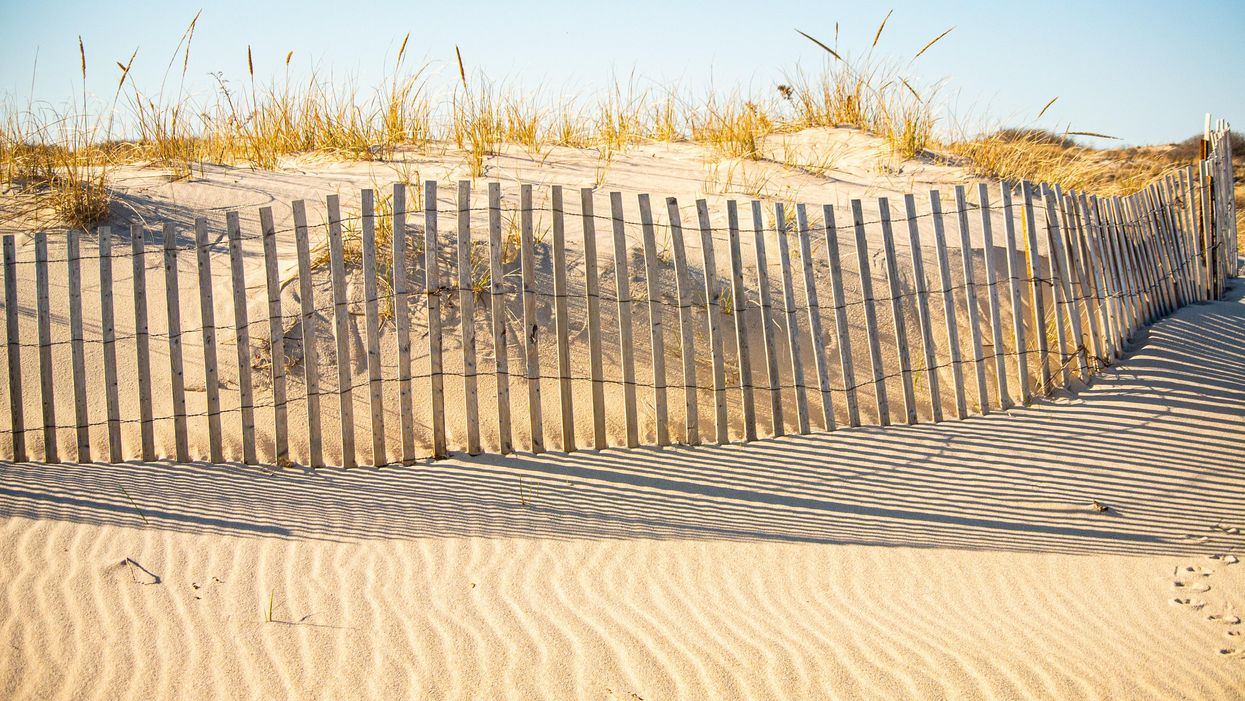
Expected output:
(958, 560)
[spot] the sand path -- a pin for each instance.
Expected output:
(956, 560)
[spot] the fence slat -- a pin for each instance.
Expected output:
(177, 371)
(341, 333)
(311, 357)
(992, 296)
(242, 337)
(531, 329)
(813, 309)
(276, 339)
(592, 294)
(791, 323)
(497, 303)
(1106, 283)
(926, 324)
(713, 311)
(1062, 287)
(948, 305)
(896, 304)
(1208, 239)
(767, 321)
(402, 324)
(652, 279)
(108, 337)
(739, 309)
(622, 279)
(970, 300)
(1038, 305)
(562, 322)
(467, 308)
(371, 322)
(82, 426)
(142, 347)
(208, 315)
(1015, 274)
(871, 320)
(432, 288)
(46, 382)
(841, 331)
(1078, 285)
(16, 405)
(1197, 270)
(691, 414)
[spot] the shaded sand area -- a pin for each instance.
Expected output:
(958, 560)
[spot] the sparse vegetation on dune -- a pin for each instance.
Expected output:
(55, 163)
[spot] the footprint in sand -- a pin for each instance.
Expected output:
(1225, 618)
(1234, 653)
(1194, 604)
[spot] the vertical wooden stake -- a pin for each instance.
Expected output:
(691, 415)
(371, 321)
(108, 334)
(531, 329)
(497, 304)
(767, 321)
(402, 325)
(992, 294)
(208, 314)
(713, 310)
(970, 299)
(242, 337)
(341, 332)
(78, 353)
(921, 291)
(46, 383)
(653, 281)
(622, 279)
(142, 347)
(807, 266)
(467, 308)
(1015, 275)
(177, 371)
(562, 322)
(896, 304)
(311, 356)
(276, 339)
(1035, 287)
(16, 405)
(592, 294)
(739, 309)
(871, 320)
(948, 305)
(432, 287)
(840, 317)
(791, 323)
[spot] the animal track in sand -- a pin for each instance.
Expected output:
(1198, 587)
(1225, 618)
(1194, 604)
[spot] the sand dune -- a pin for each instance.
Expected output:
(957, 560)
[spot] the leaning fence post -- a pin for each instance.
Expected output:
(16, 405)
(497, 308)
(371, 322)
(767, 321)
(896, 304)
(713, 310)
(948, 305)
(177, 372)
(50, 447)
(992, 294)
(562, 322)
(622, 279)
(208, 315)
(311, 358)
(276, 339)
(467, 304)
(432, 288)
(791, 323)
(341, 333)
(741, 325)
(840, 317)
(653, 283)
(691, 415)
(813, 308)
(242, 337)
(592, 294)
(78, 359)
(142, 348)
(527, 263)
(402, 324)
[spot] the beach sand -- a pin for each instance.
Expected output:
(957, 560)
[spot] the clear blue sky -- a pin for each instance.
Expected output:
(1145, 71)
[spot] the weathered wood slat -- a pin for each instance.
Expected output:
(791, 322)
(739, 310)
(497, 304)
(691, 414)
(311, 356)
(841, 331)
(371, 322)
(921, 293)
(1015, 275)
(1038, 300)
(142, 344)
(970, 300)
(16, 406)
(562, 322)
(531, 329)
(767, 321)
(177, 370)
(467, 307)
(992, 296)
(46, 379)
(871, 320)
(1087, 339)
(622, 280)
(432, 289)
(276, 339)
(713, 310)
(82, 426)
(1062, 288)
(813, 309)
(896, 305)
(108, 337)
(211, 372)
(242, 338)
(948, 305)
(652, 278)
(592, 294)
(402, 324)
(341, 333)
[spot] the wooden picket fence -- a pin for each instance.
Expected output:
(1112, 266)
